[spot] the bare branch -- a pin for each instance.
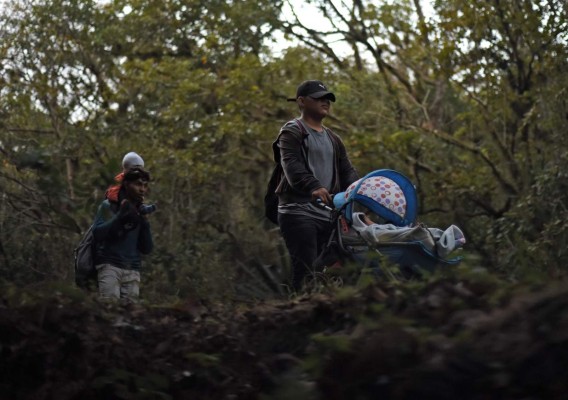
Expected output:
(472, 148)
(29, 130)
(316, 36)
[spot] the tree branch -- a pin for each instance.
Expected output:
(472, 148)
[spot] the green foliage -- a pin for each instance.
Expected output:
(469, 103)
(59, 292)
(122, 384)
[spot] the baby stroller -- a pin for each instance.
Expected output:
(374, 224)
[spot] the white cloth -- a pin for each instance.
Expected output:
(442, 242)
(447, 241)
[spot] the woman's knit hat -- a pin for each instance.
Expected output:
(132, 160)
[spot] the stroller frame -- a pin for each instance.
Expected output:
(412, 257)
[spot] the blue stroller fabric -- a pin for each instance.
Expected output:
(391, 196)
(385, 192)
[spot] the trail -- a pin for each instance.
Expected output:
(446, 339)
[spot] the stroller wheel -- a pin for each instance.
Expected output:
(319, 282)
(336, 281)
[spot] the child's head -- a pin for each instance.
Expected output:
(132, 160)
(374, 217)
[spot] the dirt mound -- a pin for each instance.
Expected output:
(443, 340)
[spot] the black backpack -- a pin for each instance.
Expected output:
(271, 198)
(84, 255)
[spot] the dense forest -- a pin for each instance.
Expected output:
(466, 98)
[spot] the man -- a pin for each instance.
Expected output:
(122, 233)
(315, 166)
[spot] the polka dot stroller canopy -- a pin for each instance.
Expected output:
(387, 193)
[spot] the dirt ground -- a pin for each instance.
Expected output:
(446, 339)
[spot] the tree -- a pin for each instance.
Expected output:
(466, 87)
(97, 81)
(468, 102)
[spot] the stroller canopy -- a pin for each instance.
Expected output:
(385, 192)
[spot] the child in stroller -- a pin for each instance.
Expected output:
(376, 215)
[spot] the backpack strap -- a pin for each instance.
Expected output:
(276, 150)
(302, 128)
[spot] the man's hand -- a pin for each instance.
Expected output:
(127, 212)
(323, 195)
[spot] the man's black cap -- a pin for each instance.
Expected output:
(314, 89)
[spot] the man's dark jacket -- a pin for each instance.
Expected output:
(121, 235)
(298, 181)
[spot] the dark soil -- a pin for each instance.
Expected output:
(446, 339)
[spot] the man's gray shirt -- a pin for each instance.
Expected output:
(320, 160)
(320, 156)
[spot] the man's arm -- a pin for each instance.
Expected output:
(294, 164)
(106, 223)
(145, 241)
(109, 225)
